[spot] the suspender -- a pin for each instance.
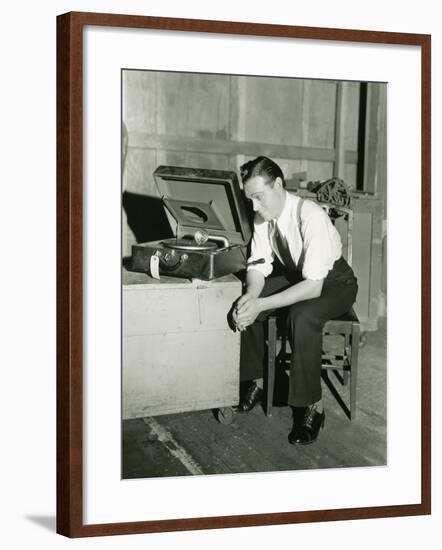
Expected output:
(298, 218)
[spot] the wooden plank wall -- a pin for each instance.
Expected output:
(220, 121)
(215, 121)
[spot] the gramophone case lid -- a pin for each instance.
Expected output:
(204, 199)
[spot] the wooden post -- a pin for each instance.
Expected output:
(339, 164)
(371, 139)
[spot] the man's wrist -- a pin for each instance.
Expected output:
(260, 304)
(252, 293)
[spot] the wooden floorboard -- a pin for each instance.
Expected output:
(256, 443)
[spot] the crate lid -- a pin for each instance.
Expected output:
(204, 199)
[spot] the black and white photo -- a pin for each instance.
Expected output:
(254, 274)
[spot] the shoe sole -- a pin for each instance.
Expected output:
(313, 440)
(242, 411)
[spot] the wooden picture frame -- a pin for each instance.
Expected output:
(70, 269)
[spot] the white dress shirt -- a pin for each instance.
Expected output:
(320, 239)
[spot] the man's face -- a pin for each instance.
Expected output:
(267, 198)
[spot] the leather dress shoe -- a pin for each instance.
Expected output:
(252, 397)
(307, 422)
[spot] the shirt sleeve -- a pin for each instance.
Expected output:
(322, 244)
(261, 248)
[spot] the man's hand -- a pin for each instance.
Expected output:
(246, 311)
(248, 301)
(235, 320)
(238, 325)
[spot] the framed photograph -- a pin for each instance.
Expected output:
(243, 274)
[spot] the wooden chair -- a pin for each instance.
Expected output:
(347, 326)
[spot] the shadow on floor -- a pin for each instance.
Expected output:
(47, 522)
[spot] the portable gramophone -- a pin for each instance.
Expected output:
(212, 228)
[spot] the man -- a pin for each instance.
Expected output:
(300, 267)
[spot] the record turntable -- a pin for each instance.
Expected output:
(212, 227)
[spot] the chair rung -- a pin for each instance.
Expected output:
(333, 357)
(325, 357)
(330, 363)
(339, 366)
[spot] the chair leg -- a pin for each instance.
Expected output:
(346, 353)
(271, 359)
(354, 368)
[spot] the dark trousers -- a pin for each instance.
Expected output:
(305, 321)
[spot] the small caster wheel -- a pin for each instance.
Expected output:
(362, 339)
(224, 415)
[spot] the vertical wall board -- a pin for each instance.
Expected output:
(232, 133)
(352, 116)
(372, 135)
(319, 170)
(384, 272)
(379, 231)
(238, 89)
(382, 182)
(138, 170)
(321, 115)
(238, 111)
(305, 137)
(139, 115)
(350, 171)
(342, 227)
(376, 264)
(381, 168)
(236, 118)
(341, 98)
(233, 107)
(362, 262)
(272, 110)
(194, 105)
(139, 101)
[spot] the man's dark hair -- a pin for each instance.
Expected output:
(261, 166)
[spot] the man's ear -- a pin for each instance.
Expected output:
(278, 183)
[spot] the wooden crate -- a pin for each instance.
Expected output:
(179, 353)
(367, 254)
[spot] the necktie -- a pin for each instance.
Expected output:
(283, 248)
